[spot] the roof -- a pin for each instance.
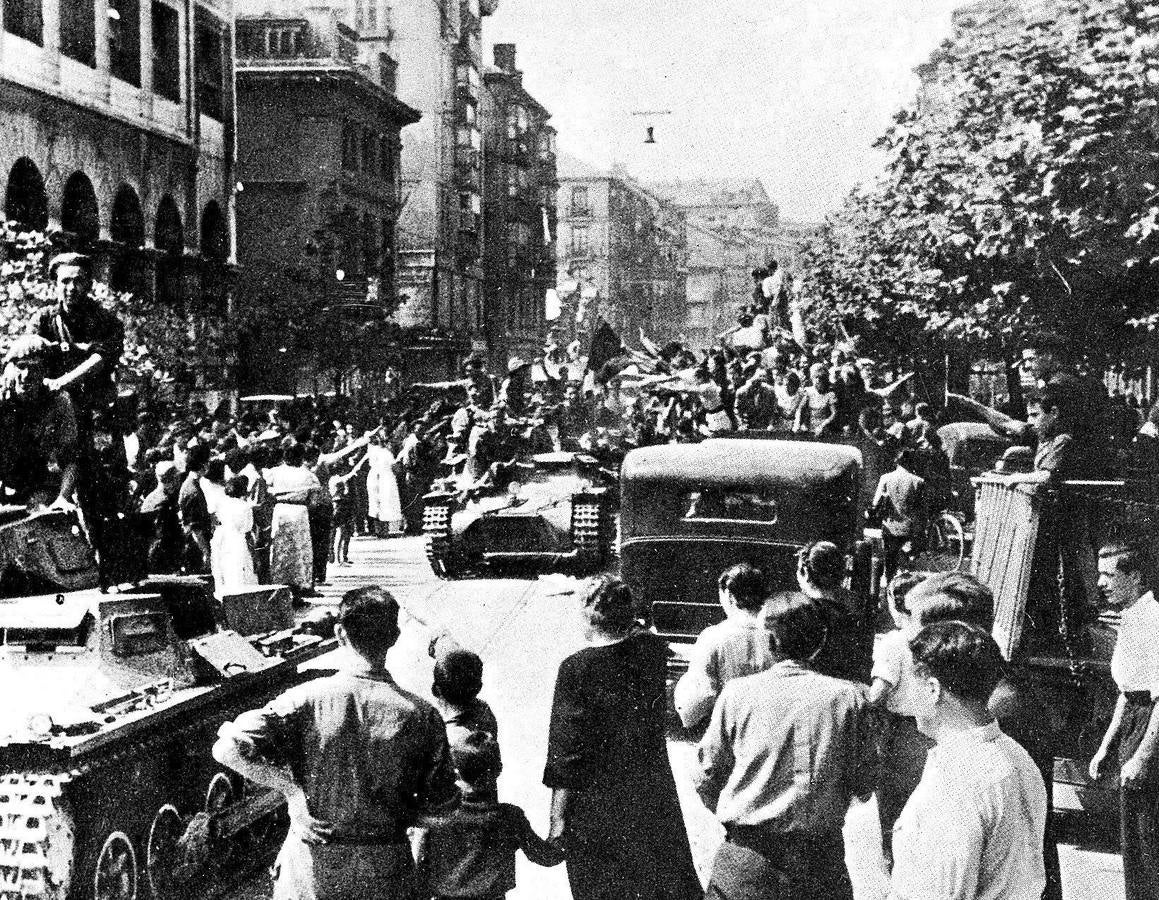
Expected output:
(568, 166)
(714, 192)
(731, 461)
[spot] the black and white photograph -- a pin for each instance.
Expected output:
(579, 449)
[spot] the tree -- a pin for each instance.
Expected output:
(1020, 193)
(158, 337)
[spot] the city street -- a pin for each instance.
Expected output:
(523, 628)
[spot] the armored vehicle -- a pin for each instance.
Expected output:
(111, 704)
(551, 509)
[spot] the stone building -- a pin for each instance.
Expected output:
(718, 282)
(116, 132)
(519, 214)
(622, 255)
(438, 48)
(318, 159)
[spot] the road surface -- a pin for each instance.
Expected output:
(523, 628)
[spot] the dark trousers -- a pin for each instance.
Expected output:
(892, 546)
(320, 518)
(756, 864)
(1139, 808)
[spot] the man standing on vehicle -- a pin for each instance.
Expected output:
(1125, 583)
(357, 759)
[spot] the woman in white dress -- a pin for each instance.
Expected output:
(232, 562)
(291, 553)
(384, 503)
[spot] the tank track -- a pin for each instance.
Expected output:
(437, 532)
(588, 532)
(37, 838)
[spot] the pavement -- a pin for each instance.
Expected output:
(523, 627)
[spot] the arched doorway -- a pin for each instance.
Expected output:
(79, 217)
(214, 253)
(127, 228)
(169, 239)
(25, 200)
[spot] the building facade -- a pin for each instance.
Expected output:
(519, 213)
(318, 160)
(438, 47)
(116, 134)
(719, 267)
(622, 255)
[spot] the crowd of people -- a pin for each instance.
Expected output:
(800, 715)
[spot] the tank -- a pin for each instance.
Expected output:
(112, 702)
(552, 510)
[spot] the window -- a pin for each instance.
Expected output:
(359, 15)
(469, 138)
(469, 113)
(521, 232)
(385, 158)
(369, 143)
(78, 31)
(372, 15)
(516, 121)
(370, 243)
(23, 19)
(125, 40)
(210, 67)
(581, 239)
(731, 504)
(579, 202)
(517, 181)
(467, 74)
(350, 146)
(166, 51)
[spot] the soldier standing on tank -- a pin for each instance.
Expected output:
(91, 340)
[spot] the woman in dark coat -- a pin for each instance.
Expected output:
(614, 804)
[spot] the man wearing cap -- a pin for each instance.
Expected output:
(516, 386)
(848, 648)
(91, 340)
(38, 456)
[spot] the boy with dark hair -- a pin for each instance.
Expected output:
(736, 647)
(848, 649)
(973, 828)
(457, 681)
(469, 853)
(357, 759)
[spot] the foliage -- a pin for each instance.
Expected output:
(1019, 192)
(158, 338)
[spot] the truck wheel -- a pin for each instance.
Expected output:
(440, 542)
(162, 855)
(589, 535)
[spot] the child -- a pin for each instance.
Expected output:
(458, 678)
(342, 522)
(903, 748)
(469, 853)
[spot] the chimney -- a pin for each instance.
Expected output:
(505, 57)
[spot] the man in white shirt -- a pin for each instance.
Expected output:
(1134, 728)
(973, 829)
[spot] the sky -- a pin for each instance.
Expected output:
(791, 91)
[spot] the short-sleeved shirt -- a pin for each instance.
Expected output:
(894, 664)
(369, 755)
(476, 716)
(1135, 660)
(93, 325)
